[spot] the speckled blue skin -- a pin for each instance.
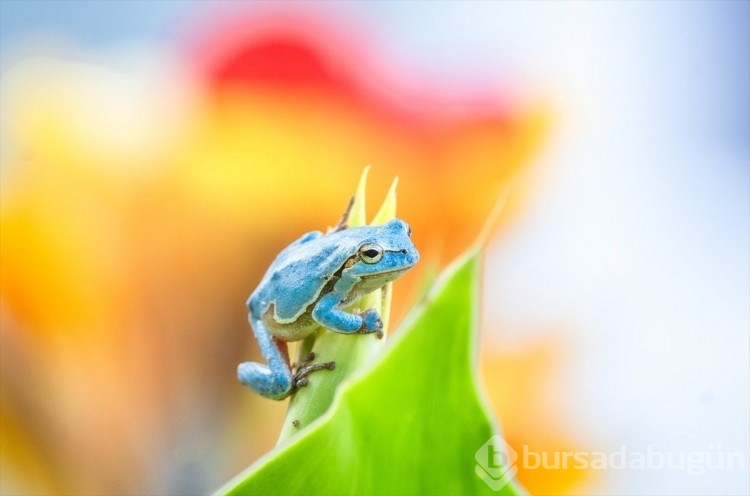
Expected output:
(308, 285)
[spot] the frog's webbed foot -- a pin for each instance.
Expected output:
(344, 222)
(306, 368)
(371, 323)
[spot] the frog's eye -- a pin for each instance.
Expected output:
(370, 253)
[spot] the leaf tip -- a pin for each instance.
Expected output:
(493, 219)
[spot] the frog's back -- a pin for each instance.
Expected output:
(299, 273)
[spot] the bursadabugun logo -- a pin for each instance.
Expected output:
(496, 463)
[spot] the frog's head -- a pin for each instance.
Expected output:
(385, 254)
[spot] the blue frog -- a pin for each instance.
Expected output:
(308, 286)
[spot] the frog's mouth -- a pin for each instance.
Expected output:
(377, 281)
(393, 273)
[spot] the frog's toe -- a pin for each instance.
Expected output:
(371, 322)
(300, 379)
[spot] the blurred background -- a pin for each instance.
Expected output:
(155, 156)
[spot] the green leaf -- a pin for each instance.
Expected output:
(410, 423)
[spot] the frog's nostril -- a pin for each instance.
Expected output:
(403, 251)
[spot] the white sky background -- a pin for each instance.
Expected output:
(638, 244)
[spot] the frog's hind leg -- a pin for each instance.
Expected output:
(275, 380)
(307, 367)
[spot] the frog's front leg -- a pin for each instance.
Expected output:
(328, 313)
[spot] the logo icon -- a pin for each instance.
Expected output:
(496, 463)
